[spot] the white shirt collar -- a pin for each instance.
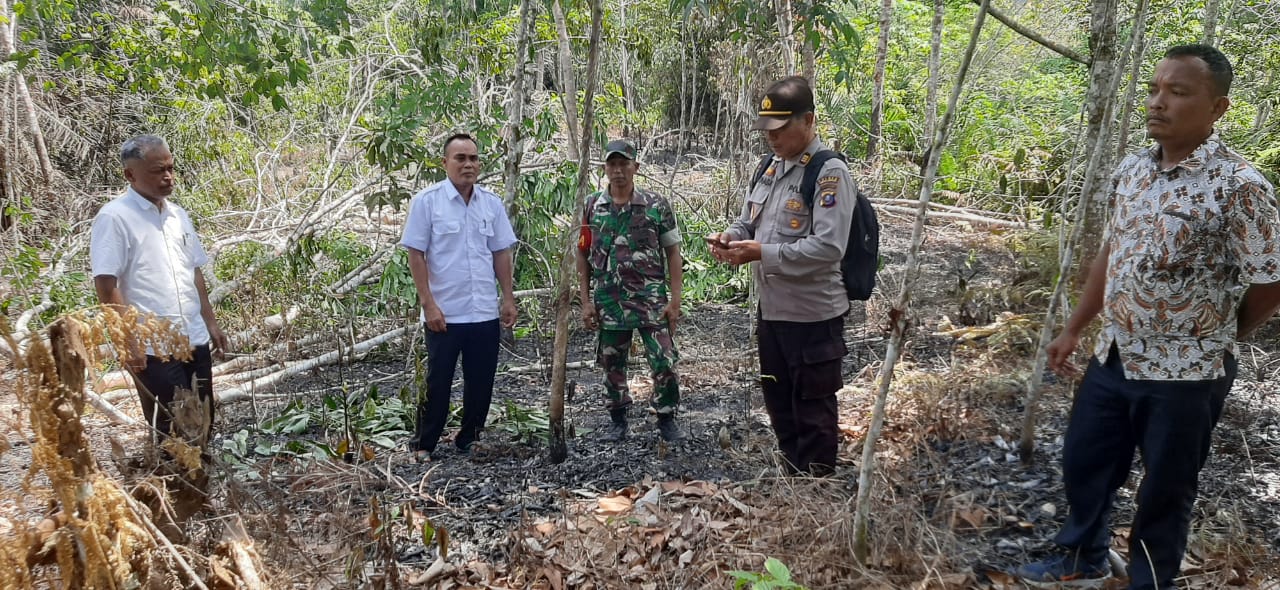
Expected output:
(141, 202)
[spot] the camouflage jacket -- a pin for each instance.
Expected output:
(627, 257)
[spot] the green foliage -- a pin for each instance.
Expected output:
(396, 289)
(775, 576)
(524, 424)
(369, 417)
(246, 51)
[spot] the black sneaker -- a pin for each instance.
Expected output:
(668, 429)
(1068, 570)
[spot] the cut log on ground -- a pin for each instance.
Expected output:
(356, 352)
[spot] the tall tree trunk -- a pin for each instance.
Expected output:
(8, 31)
(1211, 9)
(877, 87)
(1098, 99)
(1135, 70)
(808, 60)
(785, 39)
(568, 85)
(935, 71)
(899, 314)
(1097, 170)
(564, 288)
(628, 89)
(515, 106)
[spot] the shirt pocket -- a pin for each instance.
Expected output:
(794, 219)
(643, 233)
(446, 228)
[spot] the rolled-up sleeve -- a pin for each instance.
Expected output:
(832, 210)
(417, 226)
(108, 245)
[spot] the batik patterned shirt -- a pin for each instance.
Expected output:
(1185, 243)
(628, 257)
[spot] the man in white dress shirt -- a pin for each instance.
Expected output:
(145, 253)
(459, 241)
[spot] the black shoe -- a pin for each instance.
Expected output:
(1067, 570)
(668, 429)
(616, 431)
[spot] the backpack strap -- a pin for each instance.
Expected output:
(761, 168)
(809, 183)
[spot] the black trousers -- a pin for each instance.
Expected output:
(158, 381)
(1171, 422)
(477, 344)
(800, 374)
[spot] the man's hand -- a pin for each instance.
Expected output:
(508, 313)
(221, 345)
(718, 244)
(590, 317)
(672, 313)
(435, 317)
(742, 251)
(1059, 353)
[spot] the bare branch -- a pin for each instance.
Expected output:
(1034, 36)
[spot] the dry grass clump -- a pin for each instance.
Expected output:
(96, 535)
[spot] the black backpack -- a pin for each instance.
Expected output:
(862, 254)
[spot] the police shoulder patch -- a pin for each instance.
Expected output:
(828, 183)
(828, 199)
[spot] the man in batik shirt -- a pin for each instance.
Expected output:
(1188, 264)
(630, 249)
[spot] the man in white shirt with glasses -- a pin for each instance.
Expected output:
(145, 254)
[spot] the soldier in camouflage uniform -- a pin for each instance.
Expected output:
(629, 248)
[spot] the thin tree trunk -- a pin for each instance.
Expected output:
(1091, 193)
(1135, 70)
(568, 85)
(515, 135)
(785, 40)
(1211, 9)
(809, 59)
(564, 289)
(628, 89)
(899, 314)
(1259, 119)
(7, 47)
(877, 88)
(935, 72)
(1098, 100)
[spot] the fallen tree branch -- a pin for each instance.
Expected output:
(356, 352)
(532, 292)
(111, 412)
(913, 204)
(306, 228)
(961, 217)
(360, 274)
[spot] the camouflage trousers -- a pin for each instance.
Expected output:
(612, 349)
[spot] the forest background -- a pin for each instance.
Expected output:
(301, 128)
